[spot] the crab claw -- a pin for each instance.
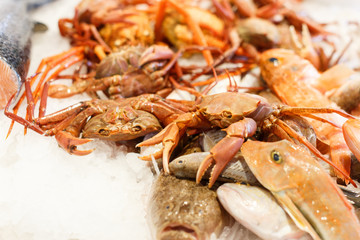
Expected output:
(156, 52)
(221, 154)
(169, 136)
(69, 143)
(351, 131)
(226, 149)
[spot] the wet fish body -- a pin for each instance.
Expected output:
(257, 210)
(15, 32)
(237, 170)
(181, 209)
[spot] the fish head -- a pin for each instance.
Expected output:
(277, 165)
(182, 209)
(187, 165)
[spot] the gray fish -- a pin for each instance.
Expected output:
(237, 170)
(15, 32)
(182, 209)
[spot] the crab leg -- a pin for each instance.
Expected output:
(170, 136)
(194, 26)
(222, 153)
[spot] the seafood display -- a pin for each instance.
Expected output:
(240, 114)
(208, 119)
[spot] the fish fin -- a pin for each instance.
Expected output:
(288, 205)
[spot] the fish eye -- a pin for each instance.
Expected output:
(180, 161)
(276, 157)
(274, 61)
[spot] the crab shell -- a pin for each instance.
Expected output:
(121, 124)
(224, 109)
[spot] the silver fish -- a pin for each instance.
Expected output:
(15, 32)
(182, 209)
(256, 209)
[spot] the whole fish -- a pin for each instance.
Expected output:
(183, 210)
(237, 170)
(15, 32)
(256, 209)
(303, 188)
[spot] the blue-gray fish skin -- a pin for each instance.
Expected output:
(31, 4)
(15, 32)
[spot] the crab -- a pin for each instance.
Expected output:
(240, 115)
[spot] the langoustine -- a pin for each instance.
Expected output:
(303, 188)
(292, 79)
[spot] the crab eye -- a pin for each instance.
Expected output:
(104, 132)
(136, 128)
(274, 61)
(227, 114)
(276, 157)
